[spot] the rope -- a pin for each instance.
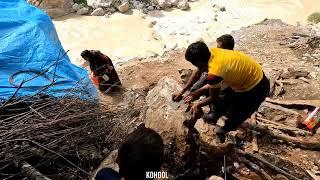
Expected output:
(38, 73)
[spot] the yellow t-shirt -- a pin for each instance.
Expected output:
(239, 71)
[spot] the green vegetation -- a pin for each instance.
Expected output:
(83, 2)
(314, 17)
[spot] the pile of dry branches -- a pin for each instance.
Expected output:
(47, 128)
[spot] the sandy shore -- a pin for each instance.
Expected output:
(127, 36)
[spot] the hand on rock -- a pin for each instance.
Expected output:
(177, 96)
(194, 109)
(188, 99)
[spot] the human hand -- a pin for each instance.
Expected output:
(194, 108)
(189, 98)
(177, 96)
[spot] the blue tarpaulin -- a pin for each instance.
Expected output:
(30, 52)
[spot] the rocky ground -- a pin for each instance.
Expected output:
(288, 54)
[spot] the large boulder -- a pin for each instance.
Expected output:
(167, 117)
(54, 8)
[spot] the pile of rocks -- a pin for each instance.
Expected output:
(107, 7)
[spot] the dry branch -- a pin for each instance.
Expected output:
(279, 126)
(295, 103)
(254, 134)
(280, 108)
(303, 143)
(256, 168)
(30, 171)
(266, 163)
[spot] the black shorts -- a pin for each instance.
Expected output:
(238, 106)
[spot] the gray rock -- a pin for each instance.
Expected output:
(174, 2)
(140, 6)
(98, 12)
(150, 8)
(83, 11)
(100, 3)
(222, 9)
(171, 46)
(183, 5)
(166, 117)
(76, 7)
(123, 7)
(163, 3)
(185, 74)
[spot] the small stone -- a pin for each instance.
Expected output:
(174, 2)
(83, 11)
(151, 54)
(140, 6)
(98, 12)
(154, 22)
(100, 3)
(150, 8)
(245, 171)
(171, 46)
(76, 7)
(222, 9)
(106, 16)
(163, 3)
(123, 7)
(215, 19)
(183, 5)
(111, 10)
(236, 166)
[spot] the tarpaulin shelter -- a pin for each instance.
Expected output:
(30, 52)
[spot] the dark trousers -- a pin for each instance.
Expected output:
(239, 106)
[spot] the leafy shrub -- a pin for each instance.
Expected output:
(314, 17)
(84, 2)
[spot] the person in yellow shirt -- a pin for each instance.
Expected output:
(247, 85)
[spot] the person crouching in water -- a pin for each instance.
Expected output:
(247, 84)
(104, 75)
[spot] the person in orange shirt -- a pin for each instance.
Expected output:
(104, 75)
(247, 85)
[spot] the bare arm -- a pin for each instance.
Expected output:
(193, 78)
(214, 85)
(214, 93)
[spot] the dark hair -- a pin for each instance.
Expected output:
(198, 53)
(87, 54)
(142, 151)
(227, 41)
